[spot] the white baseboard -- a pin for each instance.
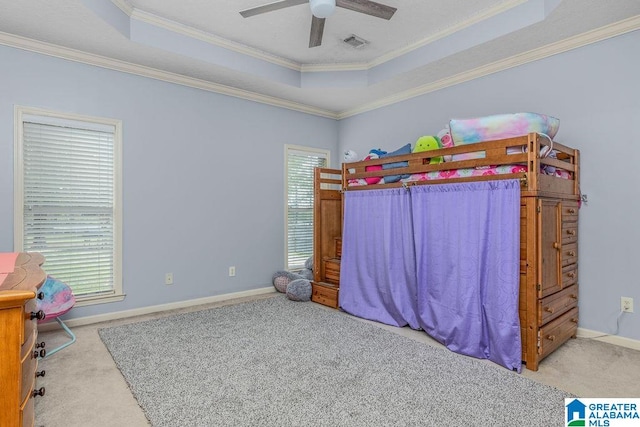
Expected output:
(611, 339)
(88, 320)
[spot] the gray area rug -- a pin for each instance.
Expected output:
(275, 362)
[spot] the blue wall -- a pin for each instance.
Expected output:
(595, 91)
(203, 174)
(190, 208)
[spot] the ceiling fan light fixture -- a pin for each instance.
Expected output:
(322, 8)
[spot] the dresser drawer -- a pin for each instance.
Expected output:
(324, 294)
(569, 254)
(555, 305)
(569, 232)
(569, 211)
(29, 365)
(29, 325)
(569, 275)
(332, 270)
(558, 331)
(27, 412)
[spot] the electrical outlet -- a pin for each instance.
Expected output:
(232, 271)
(626, 304)
(168, 279)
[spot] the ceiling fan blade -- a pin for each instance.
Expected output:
(270, 7)
(368, 7)
(317, 28)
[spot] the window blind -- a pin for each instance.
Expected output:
(68, 193)
(300, 166)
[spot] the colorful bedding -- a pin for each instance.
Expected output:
(470, 172)
(499, 126)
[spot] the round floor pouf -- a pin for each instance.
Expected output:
(299, 290)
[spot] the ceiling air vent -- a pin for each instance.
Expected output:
(355, 41)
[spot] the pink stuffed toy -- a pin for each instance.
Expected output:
(447, 142)
(372, 179)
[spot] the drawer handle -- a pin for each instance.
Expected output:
(571, 210)
(39, 392)
(41, 353)
(571, 253)
(38, 315)
(40, 345)
(574, 296)
(557, 245)
(40, 295)
(571, 232)
(574, 320)
(549, 310)
(551, 337)
(572, 274)
(41, 373)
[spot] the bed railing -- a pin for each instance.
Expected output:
(495, 154)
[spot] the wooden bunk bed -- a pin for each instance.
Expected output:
(548, 297)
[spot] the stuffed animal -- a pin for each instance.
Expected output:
(428, 143)
(372, 179)
(350, 156)
(446, 141)
(296, 286)
(299, 290)
(281, 279)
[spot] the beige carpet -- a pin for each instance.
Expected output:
(84, 387)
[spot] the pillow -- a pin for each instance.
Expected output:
(406, 149)
(499, 126)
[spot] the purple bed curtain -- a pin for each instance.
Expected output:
(377, 268)
(443, 258)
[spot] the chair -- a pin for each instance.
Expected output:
(57, 299)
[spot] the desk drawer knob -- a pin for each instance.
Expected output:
(571, 210)
(39, 392)
(40, 295)
(551, 337)
(38, 315)
(571, 274)
(41, 373)
(549, 310)
(40, 345)
(571, 232)
(571, 253)
(41, 353)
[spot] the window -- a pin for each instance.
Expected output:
(300, 163)
(67, 199)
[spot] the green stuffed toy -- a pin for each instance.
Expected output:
(428, 143)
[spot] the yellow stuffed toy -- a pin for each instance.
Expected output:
(428, 143)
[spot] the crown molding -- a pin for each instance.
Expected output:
(140, 70)
(602, 33)
(489, 13)
(188, 31)
(314, 68)
(204, 36)
(123, 6)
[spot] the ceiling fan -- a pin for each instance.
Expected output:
(321, 9)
